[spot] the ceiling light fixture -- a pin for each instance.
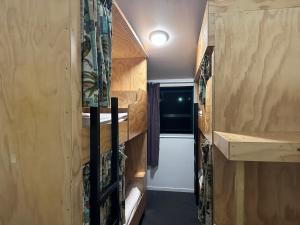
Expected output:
(159, 37)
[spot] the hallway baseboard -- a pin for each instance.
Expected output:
(171, 189)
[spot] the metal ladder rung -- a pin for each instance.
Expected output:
(108, 191)
(116, 222)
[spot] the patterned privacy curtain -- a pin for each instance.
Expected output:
(96, 41)
(105, 167)
(206, 191)
(204, 77)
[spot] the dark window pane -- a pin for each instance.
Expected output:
(176, 110)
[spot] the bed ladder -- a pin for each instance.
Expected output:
(196, 154)
(98, 198)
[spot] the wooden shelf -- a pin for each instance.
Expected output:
(263, 147)
(140, 174)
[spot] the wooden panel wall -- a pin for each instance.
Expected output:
(223, 191)
(272, 193)
(257, 79)
(223, 6)
(256, 89)
(105, 137)
(40, 113)
(76, 94)
(137, 115)
(125, 97)
(129, 74)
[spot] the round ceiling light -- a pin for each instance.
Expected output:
(159, 37)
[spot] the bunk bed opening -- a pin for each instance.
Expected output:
(128, 84)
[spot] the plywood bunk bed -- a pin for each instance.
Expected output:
(132, 121)
(251, 115)
(128, 84)
(43, 142)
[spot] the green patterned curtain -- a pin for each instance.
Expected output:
(105, 167)
(206, 192)
(96, 41)
(204, 77)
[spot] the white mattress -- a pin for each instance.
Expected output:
(104, 118)
(200, 113)
(200, 182)
(131, 203)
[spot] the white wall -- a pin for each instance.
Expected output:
(176, 165)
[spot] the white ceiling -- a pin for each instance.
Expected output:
(181, 19)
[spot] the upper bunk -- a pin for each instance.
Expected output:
(132, 121)
(128, 84)
(205, 55)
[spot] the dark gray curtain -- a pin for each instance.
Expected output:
(153, 124)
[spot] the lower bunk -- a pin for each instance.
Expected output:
(132, 170)
(135, 204)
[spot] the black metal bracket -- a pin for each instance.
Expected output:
(94, 166)
(115, 194)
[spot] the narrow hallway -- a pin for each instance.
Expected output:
(170, 208)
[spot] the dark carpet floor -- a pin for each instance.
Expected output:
(170, 208)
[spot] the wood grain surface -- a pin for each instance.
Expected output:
(257, 79)
(137, 115)
(259, 147)
(105, 137)
(129, 74)
(224, 6)
(39, 113)
(125, 42)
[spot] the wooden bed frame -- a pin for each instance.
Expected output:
(42, 141)
(254, 130)
(135, 124)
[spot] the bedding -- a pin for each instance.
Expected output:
(104, 118)
(131, 203)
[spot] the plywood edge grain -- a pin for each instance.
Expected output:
(225, 6)
(260, 147)
(126, 43)
(206, 39)
(221, 143)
